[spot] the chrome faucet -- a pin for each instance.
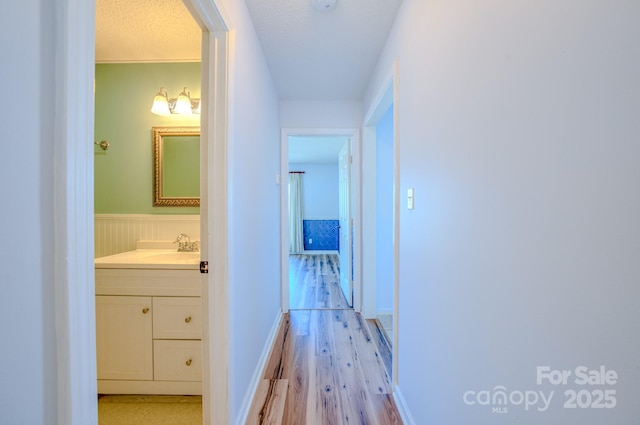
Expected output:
(185, 245)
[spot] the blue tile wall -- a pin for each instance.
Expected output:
(324, 234)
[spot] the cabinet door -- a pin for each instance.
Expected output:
(177, 318)
(124, 342)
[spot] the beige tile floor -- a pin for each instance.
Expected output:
(149, 410)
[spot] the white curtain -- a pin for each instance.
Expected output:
(296, 241)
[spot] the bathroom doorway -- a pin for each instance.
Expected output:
(75, 315)
(146, 194)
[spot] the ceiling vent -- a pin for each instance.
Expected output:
(323, 4)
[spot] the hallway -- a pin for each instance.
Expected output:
(327, 366)
(315, 282)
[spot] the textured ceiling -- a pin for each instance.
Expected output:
(312, 55)
(146, 31)
(322, 55)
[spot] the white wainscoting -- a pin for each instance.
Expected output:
(116, 233)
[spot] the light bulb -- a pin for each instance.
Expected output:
(183, 103)
(161, 103)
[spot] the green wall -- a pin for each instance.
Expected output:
(124, 94)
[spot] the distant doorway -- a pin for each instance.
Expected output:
(317, 267)
(319, 217)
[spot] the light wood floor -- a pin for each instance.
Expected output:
(314, 282)
(327, 366)
(383, 343)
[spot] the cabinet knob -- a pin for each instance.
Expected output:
(145, 310)
(187, 319)
(188, 362)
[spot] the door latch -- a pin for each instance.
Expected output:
(204, 267)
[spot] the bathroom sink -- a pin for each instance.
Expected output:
(150, 259)
(173, 257)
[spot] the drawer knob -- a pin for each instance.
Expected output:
(145, 310)
(187, 319)
(188, 362)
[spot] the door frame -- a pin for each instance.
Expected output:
(386, 96)
(345, 278)
(356, 173)
(73, 242)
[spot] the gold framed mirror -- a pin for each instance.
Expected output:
(176, 166)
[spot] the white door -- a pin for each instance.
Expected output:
(344, 190)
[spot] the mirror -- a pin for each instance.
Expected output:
(176, 166)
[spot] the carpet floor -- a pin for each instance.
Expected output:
(149, 410)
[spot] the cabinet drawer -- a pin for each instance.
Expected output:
(177, 318)
(177, 360)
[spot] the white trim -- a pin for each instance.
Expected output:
(356, 177)
(217, 72)
(73, 213)
(320, 252)
(112, 386)
(403, 408)
(369, 227)
(396, 224)
(356, 196)
(284, 221)
(386, 96)
(245, 407)
(147, 217)
(108, 61)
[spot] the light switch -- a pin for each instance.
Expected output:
(410, 198)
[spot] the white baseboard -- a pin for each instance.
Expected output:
(403, 409)
(328, 252)
(245, 407)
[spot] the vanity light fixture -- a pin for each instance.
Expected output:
(183, 104)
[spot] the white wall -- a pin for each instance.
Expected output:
(519, 131)
(28, 335)
(320, 191)
(307, 114)
(254, 155)
(28, 354)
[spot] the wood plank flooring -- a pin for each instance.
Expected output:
(314, 282)
(328, 365)
(325, 368)
(383, 344)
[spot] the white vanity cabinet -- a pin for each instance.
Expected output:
(148, 331)
(124, 344)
